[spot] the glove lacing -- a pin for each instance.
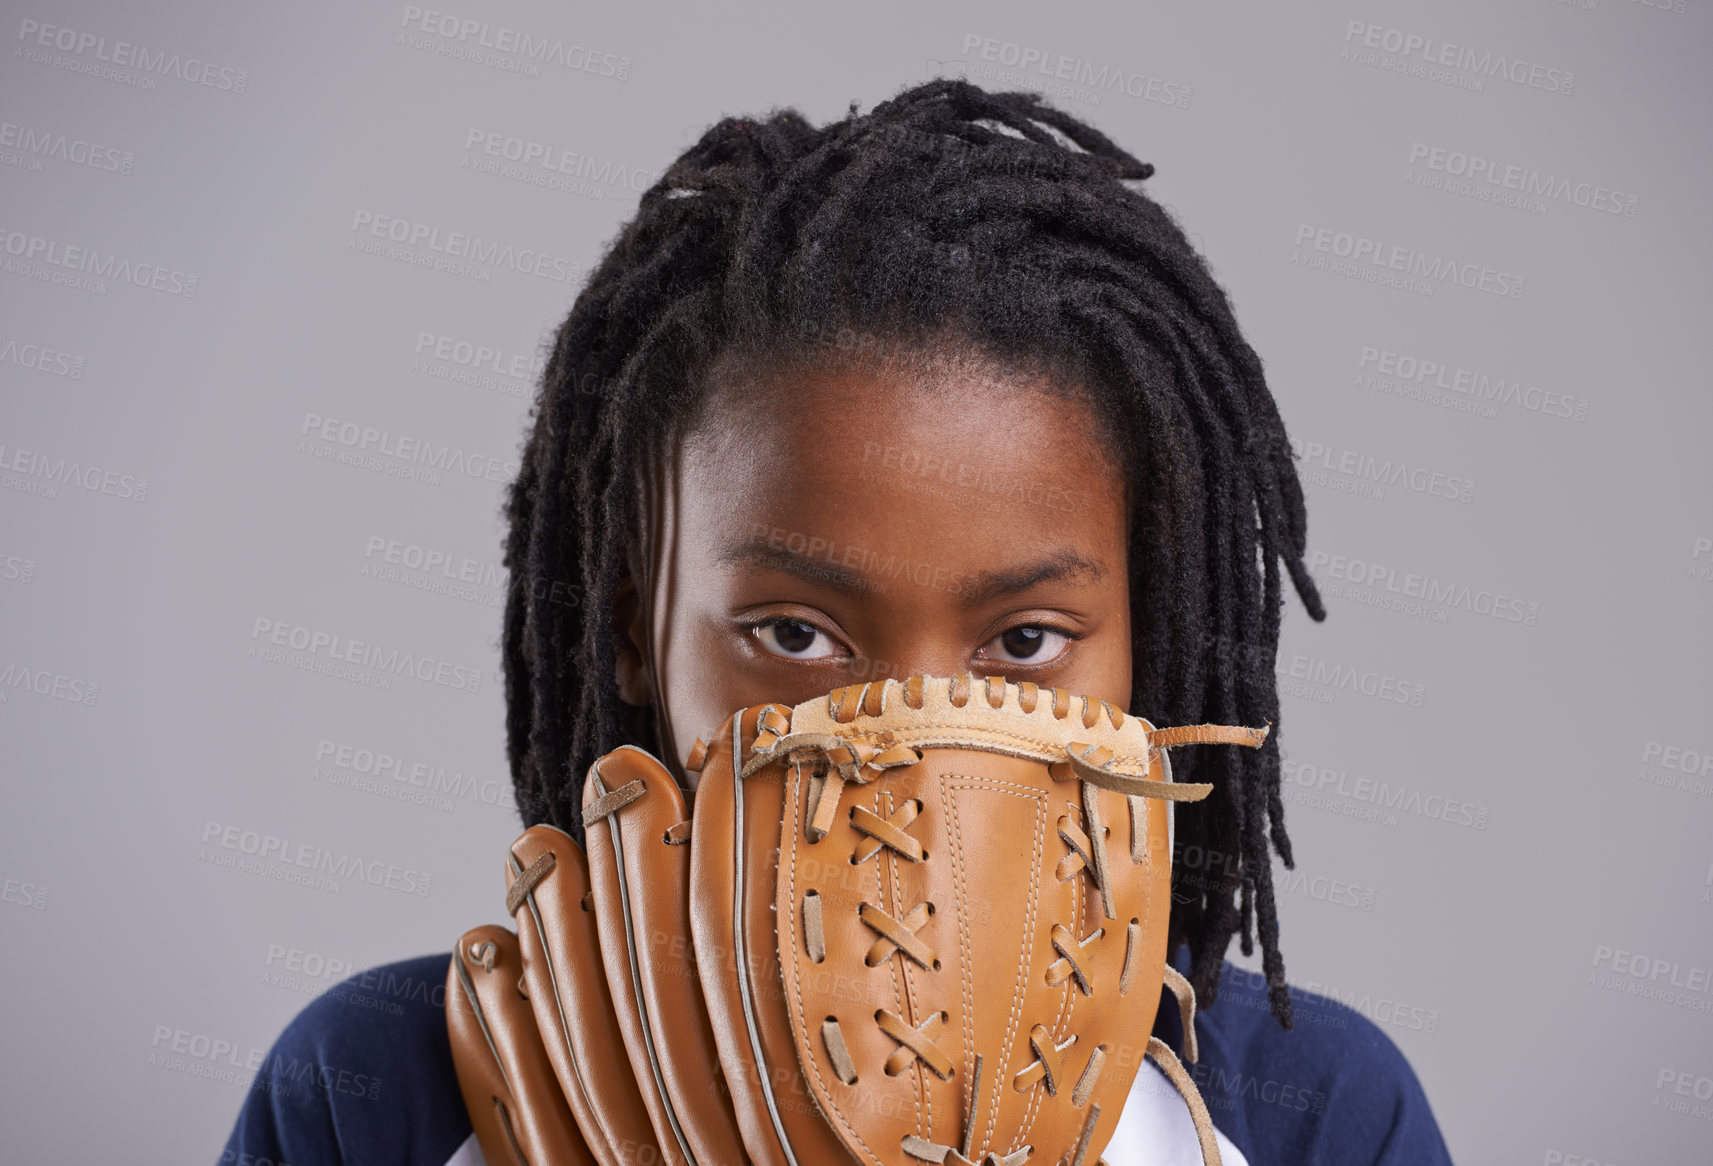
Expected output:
(828, 761)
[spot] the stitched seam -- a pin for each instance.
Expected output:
(793, 806)
(1067, 1006)
(1148, 880)
(1067, 1003)
(913, 1015)
(1017, 989)
(1034, 791)
(948, 799)
(1082, 900)
(867, 737)
(900, 999)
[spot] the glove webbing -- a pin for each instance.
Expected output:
(834, 760)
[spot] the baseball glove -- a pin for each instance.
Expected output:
(917, 921)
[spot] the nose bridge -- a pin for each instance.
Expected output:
(913, 628)
(905, 654)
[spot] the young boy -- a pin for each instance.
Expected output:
(934, 389)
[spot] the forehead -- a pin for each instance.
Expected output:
(963, 464)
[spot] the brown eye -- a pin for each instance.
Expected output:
(1023, 643)
(795, 639)
(1028, 644)
(794, 636)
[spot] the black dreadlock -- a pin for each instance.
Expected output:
(1001, 223)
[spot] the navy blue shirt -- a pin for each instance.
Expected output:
(364, 1075)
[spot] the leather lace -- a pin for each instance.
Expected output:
(825, 763)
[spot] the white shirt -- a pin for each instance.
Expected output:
(1155, 1128)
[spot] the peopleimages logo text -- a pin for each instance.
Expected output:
(1060, 67)
(1482, 62)
(1523, 179)
(461, 245)
(96, 262)
(60, 147)
(332, 648)
(1478, 385)
(407, 447)
(1443, 268)
(313, 856)
(514, 42)
(127, 55)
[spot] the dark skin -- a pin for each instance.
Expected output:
(885, 522)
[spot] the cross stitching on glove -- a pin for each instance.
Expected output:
(911, 921)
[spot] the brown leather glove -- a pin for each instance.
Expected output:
(918, 921)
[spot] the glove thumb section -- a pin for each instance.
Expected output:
(634, 815)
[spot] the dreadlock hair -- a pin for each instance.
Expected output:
(947, 215)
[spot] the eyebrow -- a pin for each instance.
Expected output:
(1059, 566)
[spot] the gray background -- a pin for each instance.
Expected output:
(1509, 870)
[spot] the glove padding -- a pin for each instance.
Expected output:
(915, 921)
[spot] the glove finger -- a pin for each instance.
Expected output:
(640, 878)
(734, 865)
(514, 1102)
(568, 987)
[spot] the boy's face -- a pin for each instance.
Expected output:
(840, 527)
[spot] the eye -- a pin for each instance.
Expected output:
(795, 639)
(1028, 644)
